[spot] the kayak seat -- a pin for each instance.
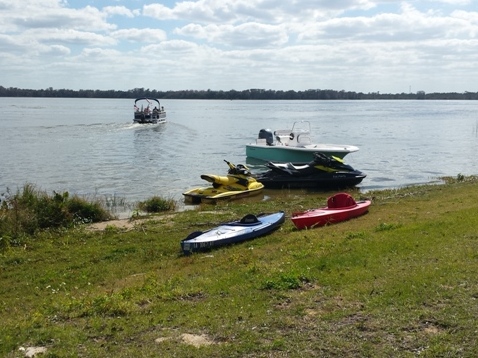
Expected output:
(249, 219)
(340, 200)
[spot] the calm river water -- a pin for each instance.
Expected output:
(91, 147)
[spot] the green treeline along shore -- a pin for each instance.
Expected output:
(248, 94)
(400, 281)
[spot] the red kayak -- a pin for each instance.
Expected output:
(340, 207)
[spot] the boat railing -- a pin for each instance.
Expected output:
(301, 126)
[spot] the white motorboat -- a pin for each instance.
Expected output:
(293, 145)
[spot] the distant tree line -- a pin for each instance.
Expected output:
(249, 94)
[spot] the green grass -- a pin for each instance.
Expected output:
(397, 282)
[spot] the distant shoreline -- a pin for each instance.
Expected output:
(249, 94)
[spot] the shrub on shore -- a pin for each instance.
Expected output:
(31, 209)
(157, 204)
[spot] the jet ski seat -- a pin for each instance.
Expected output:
(296, 167)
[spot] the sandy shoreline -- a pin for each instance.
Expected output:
(125, 224)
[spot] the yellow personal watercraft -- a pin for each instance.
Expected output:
(238, 183)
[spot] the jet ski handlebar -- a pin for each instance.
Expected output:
(237, 169)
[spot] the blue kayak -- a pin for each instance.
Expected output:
(249, 227)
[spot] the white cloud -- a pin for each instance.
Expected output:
(455, 2)
(69, 36)
(33, 15)
(119, 10)
(159, 11)
(57, 50)
(243, 35)
(363, 45)
(140, 35)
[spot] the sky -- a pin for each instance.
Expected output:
(365, 46)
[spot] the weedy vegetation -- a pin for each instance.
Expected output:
(399, 281)
(157, 204)
(31, 210)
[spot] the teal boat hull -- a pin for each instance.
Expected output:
(296, 154)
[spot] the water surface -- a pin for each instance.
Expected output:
(91, 146)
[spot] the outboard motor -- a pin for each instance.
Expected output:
(267, 135)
